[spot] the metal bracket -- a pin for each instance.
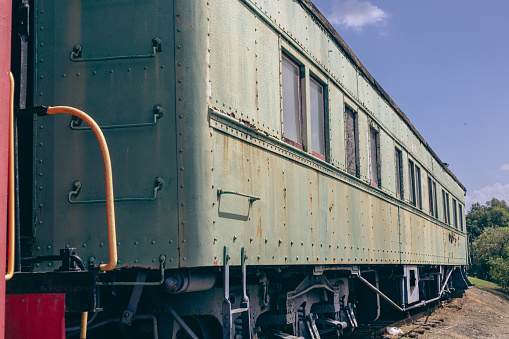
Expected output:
(252, 198)
(159, 183)
(40, 111)
(70, 260)
(129, 313)
(75, 123)
(162, 259)
(77, 51)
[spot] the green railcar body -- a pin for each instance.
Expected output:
(215, 75)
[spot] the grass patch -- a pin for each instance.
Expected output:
(479, 283)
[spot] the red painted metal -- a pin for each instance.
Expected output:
(39, 316)
(5, 66)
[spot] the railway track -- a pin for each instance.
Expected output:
(378, 328)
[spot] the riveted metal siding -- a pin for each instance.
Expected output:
(387, 163)
(195, 170)
(367, 96)
(309, 43)
(113, 91)
(303, 216)
(245, 57)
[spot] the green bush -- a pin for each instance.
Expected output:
(499, 271)
(491, 245)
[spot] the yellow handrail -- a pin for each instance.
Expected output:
(110, 208)
(11, 211)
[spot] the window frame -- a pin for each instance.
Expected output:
(446, 207)
(313, 76)
(431, 197)
(411, 186)
(398, 159)
(374, 130)
(436, 198)
(418, 187)
(454, 213)
(448, 204)
(355, 119)
(460, 213)
(285, 55)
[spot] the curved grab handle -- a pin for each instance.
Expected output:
(110, 206)
(252, 198)
(77, 49)
(75, 123)
(12, 237)
(159, 182)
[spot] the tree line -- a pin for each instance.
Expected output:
(488, 228)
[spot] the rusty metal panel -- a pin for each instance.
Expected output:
(245, 56)
(367, 95)
(341, 69)
(387, 164)
(306, 216)
(363, 129)
(425, 242)
(303, 217)
(298, 25)
(196, 194)
(118, 74)
(313, 43)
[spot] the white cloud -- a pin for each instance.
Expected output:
(505, 167)
(499, 191)
(356, 14)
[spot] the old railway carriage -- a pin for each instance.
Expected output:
(263, 180)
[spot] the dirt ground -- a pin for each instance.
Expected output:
(481, 313)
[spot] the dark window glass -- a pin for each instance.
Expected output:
(352, 152)
(445, 197)
(374, 157)
(411, 177)
(418, 194)
(317, 117)
(461, 216)
(447, 205)
(399, 174)
(435, 198)
(292, 117)
(444, 207)
(454, 213)
(430, 193)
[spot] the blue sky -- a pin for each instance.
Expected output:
(446, 65)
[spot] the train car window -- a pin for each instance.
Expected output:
(317, 100)
(454, 213)
(292, 103)
(461, 216)
(430, 196)
(445, 198)
(418, 195)
(399, 174)
(374, 157)
(352, 142)
(411, 177)
(435, 198)
(448, 205)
